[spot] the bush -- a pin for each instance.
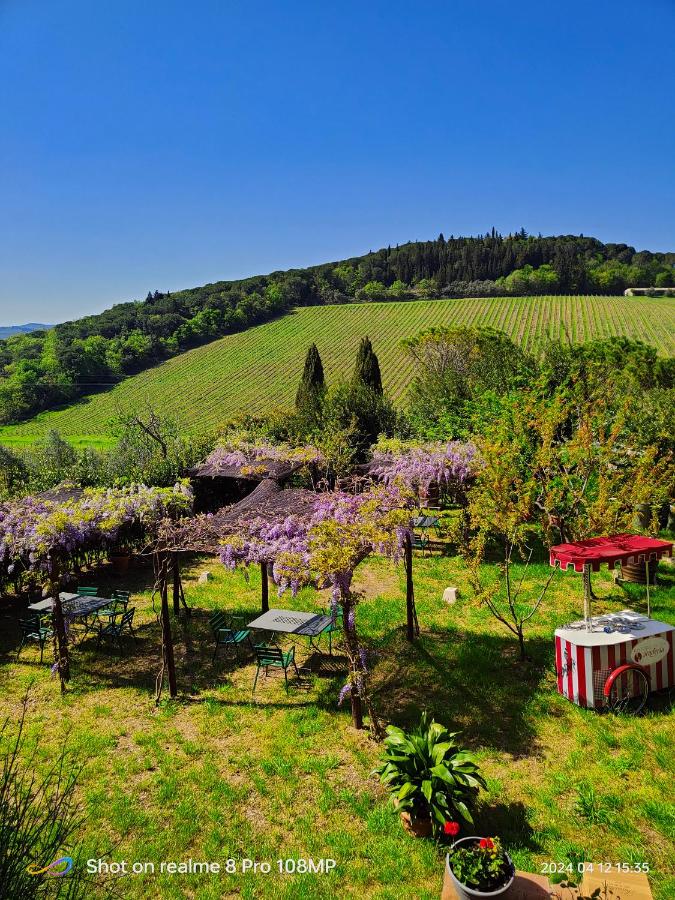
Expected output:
(428, 774)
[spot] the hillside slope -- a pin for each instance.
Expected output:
(259, 368)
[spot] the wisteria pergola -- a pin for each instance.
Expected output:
(299, 537)
(45, 539)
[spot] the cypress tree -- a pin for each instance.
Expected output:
(367, 368)
(312, 384)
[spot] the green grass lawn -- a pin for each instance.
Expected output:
(214, 775)
(259, 368)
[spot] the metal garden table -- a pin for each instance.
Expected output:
(74, 605)
(426, 522)
(291, 621)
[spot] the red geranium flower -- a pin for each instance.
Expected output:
(451, 828)
(486, 844)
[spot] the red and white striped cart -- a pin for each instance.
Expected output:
(584, 659)
(594, 652)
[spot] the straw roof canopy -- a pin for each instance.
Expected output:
(269, 503)
(253, 470)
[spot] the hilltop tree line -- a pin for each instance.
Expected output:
(44, 369)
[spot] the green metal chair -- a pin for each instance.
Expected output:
(119, 602)
(121, 598)
(227, 635)
(419, 542)
(336, 625)
(83, 591)
(273, 658)
(32, 629)
(115, 630)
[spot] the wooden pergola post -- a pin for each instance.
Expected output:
(412, 625)
(265, 588)
(61, 655)
(353, 653)
(175, 565)
(167, 638)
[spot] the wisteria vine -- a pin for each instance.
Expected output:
(418, 467)
(324, 550)
(34, 531)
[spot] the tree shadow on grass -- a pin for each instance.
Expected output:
(509, 821)
(471, 682)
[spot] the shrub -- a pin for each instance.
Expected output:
(428, 774)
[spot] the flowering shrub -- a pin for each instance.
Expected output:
(251, 459)
(417, 467)
(34, 530)
(482, 866)
(324, 550)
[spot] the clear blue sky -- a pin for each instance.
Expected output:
(166, 143)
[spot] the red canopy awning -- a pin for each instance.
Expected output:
(623, 548)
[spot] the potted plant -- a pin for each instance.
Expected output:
(431, 779)
(479, 867)
(120, 557)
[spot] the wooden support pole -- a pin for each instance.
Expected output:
(265, 589)
(167, 638)
(176, 584)
(61, 655)
(351, 644)
(411, 623)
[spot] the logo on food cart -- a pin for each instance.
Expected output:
(649, 651)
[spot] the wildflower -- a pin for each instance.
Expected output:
(451, 828)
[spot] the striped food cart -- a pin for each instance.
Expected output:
(590, 650)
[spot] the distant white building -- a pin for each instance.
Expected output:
(649, 291)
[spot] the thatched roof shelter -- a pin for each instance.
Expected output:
(62, 493)
(254, 470)
(269, 502)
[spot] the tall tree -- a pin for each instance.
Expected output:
(367, 369)
(312, 384)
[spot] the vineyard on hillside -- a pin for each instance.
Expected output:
(259, 368)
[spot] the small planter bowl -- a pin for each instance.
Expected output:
(467, 893)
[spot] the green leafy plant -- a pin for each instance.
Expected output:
(428, 774)
(482, 866)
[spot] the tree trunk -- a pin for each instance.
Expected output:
(521, 644)
(357, 708)
(264, 589)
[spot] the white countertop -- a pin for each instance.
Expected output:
(576, 632)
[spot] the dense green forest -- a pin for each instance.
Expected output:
(46, 368)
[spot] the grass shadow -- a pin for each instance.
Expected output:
(474, 683)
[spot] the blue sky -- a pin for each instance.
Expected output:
(160, 145)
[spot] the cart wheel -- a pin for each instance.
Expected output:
(626, 690)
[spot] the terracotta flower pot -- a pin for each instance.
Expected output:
(466, 893)
(120, 562)
(419, 826)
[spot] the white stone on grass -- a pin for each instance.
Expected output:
(451, 595)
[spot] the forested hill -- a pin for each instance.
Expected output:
(41, 370)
